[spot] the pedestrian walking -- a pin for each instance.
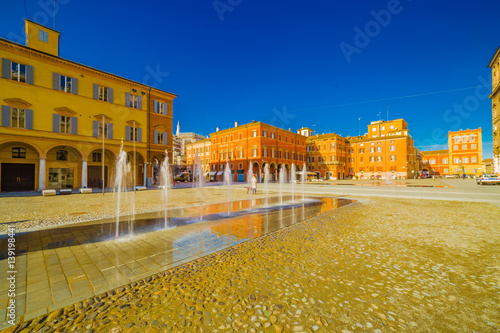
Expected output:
(254, 184)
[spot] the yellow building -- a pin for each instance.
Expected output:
(495, 109)
(58, 117)
(466, 152)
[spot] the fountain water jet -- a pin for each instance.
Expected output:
(227, 183)
(282, 181)
(198, 180)
(293, 178)
(165, 180)
(122, 175)
(249, 180)
(304, 172)
(266, 182)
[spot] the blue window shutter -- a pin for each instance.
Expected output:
(156, 106)
(5, 116)
(56, 81)
(95, 128)
(29, 119)
(29, 74)
(6, 68)
(139, 134)
(165, 108)
(74, 86)
(165, 138)
(96, 91)
(55, 123)
(110, 131)
(140, 102)
(127, 133)
(74, 125)
(110, 95)
(127, 99)
(155, 137)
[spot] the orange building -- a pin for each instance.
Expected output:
(463, 156)
(435, 162)
(202, 148)
(327, 155)
(255, 144)
(466, 152)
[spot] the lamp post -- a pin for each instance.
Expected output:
(102, 157)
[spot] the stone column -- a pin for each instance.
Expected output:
(145, 173)
(41, 174)
(84, 173)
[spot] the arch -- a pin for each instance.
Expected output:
(64, 145)
(137, 154)
(328, 175)
(25, 142)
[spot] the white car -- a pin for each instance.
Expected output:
(488, 179)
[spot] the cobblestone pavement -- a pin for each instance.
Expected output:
(380, 265)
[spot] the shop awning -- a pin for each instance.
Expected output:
(220, 173)
(212, 173)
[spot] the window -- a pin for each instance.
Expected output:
(393, 157)
(372, 149)
(473, 146)
(254, 134)
(231, 156)
(473, 159)
(372, 158)
(65, 83)
(445, 170)
(43, 36)
(133, 101)
(225, 155)
(18, 152)
(221, 167)
(392, 141)
(455, 147)
(18, 72)
(474, 170)
(293, 156)
(103, 93)
(286, 139)
(432, 161)
(65, 124)
(240, 153)
(62, 155)
(279, 154)
(466, 160)
(374, 129)
(472, 138)
(379, 149)
(457, 139)
(332, 158)
(393, 148)
(18, 118)
(464, 138)
(265, 152)
(332, 146)
(361, 150)
(379, 158)
(286, 155)
(464, 147)
(456, 160)
(264, 134)
(134, 133)
(159, 137)
(272, 135)
(103, 129)
(274, 153)
(96, 157)
(280, 137)
(391, 127)
(445, 161)
(221, 156)
(254, 152)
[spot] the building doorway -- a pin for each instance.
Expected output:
(95, 176)
(18, 177)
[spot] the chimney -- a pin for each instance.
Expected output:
(217, 129)
(289, 129)
(236, 124)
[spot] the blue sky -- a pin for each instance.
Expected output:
(321, 64)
